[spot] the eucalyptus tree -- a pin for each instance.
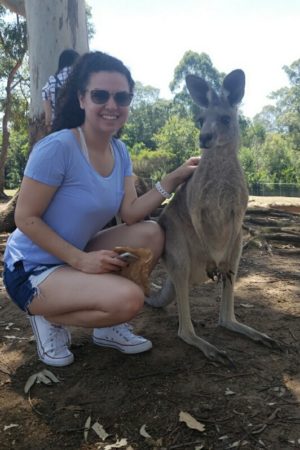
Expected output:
(52, 26)
(13, 46)
(288, 104)
(193, 63)
(283, 116)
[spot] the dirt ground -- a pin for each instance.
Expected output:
(254, 405)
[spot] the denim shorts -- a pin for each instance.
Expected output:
(22, 286)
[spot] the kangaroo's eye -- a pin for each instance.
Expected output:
(225, 120)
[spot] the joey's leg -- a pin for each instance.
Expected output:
(162, 298)
(227, 317)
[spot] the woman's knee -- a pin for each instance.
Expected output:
(132, 301)
(155, 235)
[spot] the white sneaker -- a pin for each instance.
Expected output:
(121, 338)
(52, 342)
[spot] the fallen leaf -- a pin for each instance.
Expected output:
(118, 444)
(143, 432)
(223, 437)
(30, 382)
(87, 427)
(16, 337)
(12, 425)
(50, 375)
(190, 421)
(41, 378)
(229, 392)
(238, 444)
(45, 376)
(246, 305)
(99, 430)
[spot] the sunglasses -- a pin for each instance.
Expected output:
(100, 97)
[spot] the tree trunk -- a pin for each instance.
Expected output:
(52, 26)
(59, 24)
(7, 222)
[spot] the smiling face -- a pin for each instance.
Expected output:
(109, 117)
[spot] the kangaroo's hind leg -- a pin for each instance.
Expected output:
(180, 278)
(227, 317)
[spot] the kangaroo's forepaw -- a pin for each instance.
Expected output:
(216, 275)
(219, 276)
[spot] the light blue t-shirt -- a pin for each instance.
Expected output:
(84, 202)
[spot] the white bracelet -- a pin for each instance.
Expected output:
(162, 191)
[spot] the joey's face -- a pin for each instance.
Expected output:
(104, 101)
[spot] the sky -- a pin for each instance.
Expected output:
(151, 37)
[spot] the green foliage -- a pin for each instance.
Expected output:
(89, 22)
(148, 114)
(192, 63)
(13, 97)
(151, 164)
(13, 40)
(285, 114)
(268, 118)
(199, 64)
(278, 161)
(161, 134)
(271, 161)
(252, 134)
(17, 157)
(179, 137)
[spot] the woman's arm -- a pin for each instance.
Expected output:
(33, 200)
(135, 208)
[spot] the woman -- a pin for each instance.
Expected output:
(54, 84)
(60, 267)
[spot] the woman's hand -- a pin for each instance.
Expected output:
(100, 261)
(134, 209)
(187, 169)
(179, 175)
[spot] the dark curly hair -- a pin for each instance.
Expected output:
(68, 113)
(66, 59)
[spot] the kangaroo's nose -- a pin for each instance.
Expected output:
(205, 140)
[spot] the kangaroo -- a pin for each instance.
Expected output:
(203, 221)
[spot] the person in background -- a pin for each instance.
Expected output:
(59, 264)
(54, 84)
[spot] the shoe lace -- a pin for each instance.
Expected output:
(57, 337)
(125, 330)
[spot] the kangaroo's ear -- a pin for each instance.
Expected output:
(233, 88)
(200, 91)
